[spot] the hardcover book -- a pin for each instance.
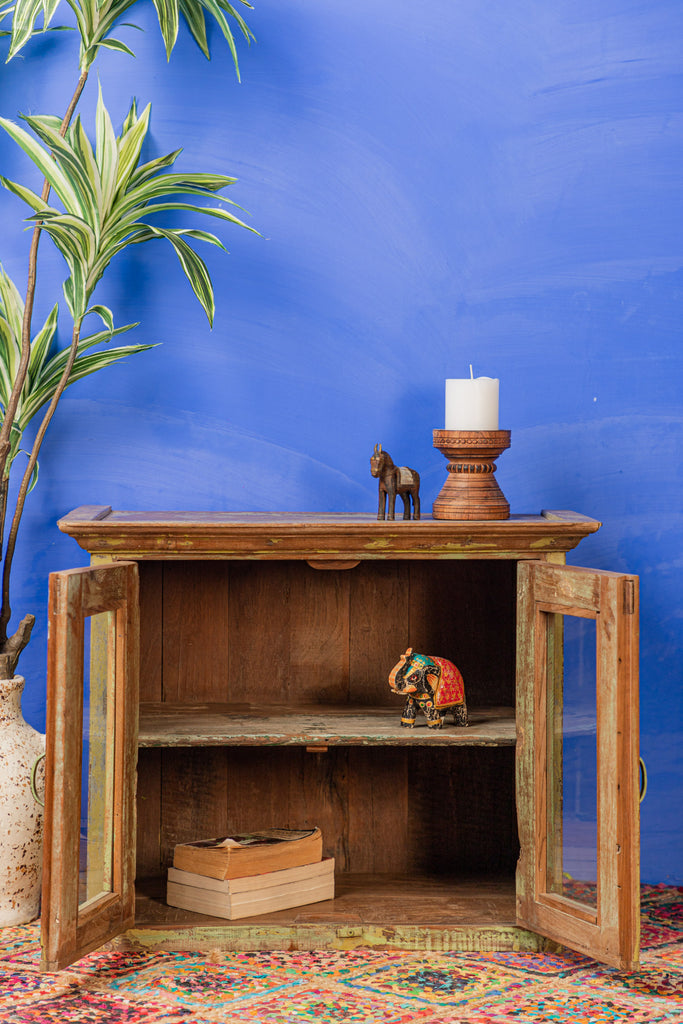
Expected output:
(250, 853)
(248, 896)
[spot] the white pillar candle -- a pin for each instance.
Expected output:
(472, 403)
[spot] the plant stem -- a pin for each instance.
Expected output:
(4, 488)
(17, 388)
(22, 370)
(6, 611)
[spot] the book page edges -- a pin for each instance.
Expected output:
(253, 883)
(201, 901)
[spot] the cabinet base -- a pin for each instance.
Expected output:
(369, 911)
(246, 938)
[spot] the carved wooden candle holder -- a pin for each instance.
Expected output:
(471, 490)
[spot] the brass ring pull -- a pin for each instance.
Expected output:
(643, 779)
(34, 771)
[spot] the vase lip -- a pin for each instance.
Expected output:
(12, 683)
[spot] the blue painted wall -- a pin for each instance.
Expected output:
(436, 184)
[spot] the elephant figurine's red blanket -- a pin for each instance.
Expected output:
(448, 684)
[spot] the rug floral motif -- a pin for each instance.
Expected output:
(355, 987)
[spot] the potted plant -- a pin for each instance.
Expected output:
(96, 201)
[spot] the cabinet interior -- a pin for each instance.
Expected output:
(279, 639)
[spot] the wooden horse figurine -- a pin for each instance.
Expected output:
(395, 480)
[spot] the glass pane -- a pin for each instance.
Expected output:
(97, 766)
(572, 820)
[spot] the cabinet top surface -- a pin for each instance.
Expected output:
(317, 536)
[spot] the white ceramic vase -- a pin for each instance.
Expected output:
(21, 815)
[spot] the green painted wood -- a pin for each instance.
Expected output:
(245, 937)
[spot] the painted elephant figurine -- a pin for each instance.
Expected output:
(431, 685)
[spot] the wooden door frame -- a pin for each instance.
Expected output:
(610, 932)
(67, 930)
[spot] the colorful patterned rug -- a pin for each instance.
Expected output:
(113, 987)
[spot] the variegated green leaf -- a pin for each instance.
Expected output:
(23, 22)
(85, 161)
(57, 361)
(6, 378)
(227, 6)
(96, 20)
(167, 12)
(107, 153)
(84, 366)
(196, 22)
(210, 211)
(195, 271)
(75, 293)
(11, 303)
(52, 121)
(11, 316)
(116, 44)
(81, 9)
(45, 371)
(215, 9)
(108, 197)
(176, 184)
(148, 170)
(54, 368)
(40, 347)
(129, 146)
(130, 119)
(73, 236)
(30, 198)
(105, 315)
(48, 167)
(71, 160)
(34, 475)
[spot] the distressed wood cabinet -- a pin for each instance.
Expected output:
(245, 685)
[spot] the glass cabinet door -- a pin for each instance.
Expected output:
(577, 759)
(91, 750)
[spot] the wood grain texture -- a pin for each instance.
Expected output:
(151, 630)
(184, 725)
(610, 930)
(465, 612)
(70, 930)
(269, 632)
(195, 661)
(281, 536)
(318, 635)
(383, 911)
(436, 812)
(379, 629)
(194, 798)
(462, 817)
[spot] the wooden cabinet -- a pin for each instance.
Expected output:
(263, 644)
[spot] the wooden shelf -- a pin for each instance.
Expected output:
(315, 726)
(390, 911)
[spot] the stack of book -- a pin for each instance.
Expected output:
(250, 873)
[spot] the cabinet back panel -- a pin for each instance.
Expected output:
(278, 632)
(381, 810)
(196, 631)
